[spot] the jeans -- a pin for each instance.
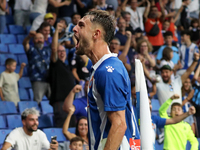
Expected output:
(33, 15)
(2, 23)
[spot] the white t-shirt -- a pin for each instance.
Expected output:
(40, 6)
(21, 141)
(8, 83)
(23, 4)
(165, 91)
(194, 5)
(164, 62)
(136, 17)
(37, 22)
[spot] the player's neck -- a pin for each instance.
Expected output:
(27, 132)
(188, 43)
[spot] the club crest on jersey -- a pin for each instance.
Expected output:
(110, 68)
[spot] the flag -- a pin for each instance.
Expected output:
(143, 111)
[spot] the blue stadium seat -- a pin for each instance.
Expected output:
(20, 38)
(5, 30)
(45, 121)
(2, 68)
(2, 122)
(9, 19)
(22, 58)
(7, 107)
(14, 121)
(72, 130)
(46, 107)
(23, 94)
(55, 131)
(155, 104)
(27, 104)
(15, 29)
(28, 28)
(25, 72)
(3, 134)
(3, 48)
(45, 98)
(16, 48)
(3, 58)
(8, 39)
(31, 95)
(25, 82)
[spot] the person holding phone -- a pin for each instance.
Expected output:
(29, 137)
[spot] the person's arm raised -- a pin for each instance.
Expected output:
(27, 40)
(146, 12)
(57, 4)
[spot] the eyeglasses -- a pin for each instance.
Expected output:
(171, 89)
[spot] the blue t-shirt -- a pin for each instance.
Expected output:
(109, 90)
(81, 107)
(175, 58)
(158, 121)
(122, 38)
(39, 61)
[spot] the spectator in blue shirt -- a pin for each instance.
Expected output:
(39, 59)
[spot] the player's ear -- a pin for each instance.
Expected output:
(97, 34)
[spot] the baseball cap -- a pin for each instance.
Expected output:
(110, 7)
(167, 67)
(48, 16)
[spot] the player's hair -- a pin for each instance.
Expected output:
(10, 61)
(168, 33)
(29, 111)
(166, 53)
(103, 19)
(77, 132)
(150, 48)
(176, 104)
(76, 139)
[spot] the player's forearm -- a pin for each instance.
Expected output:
(177, 119)
(115, 136)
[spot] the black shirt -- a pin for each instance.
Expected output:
(61, 80)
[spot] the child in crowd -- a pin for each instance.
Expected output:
(176, 135)
(195, 30)
(76, 143)
(8, 81)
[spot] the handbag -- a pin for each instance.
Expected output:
(154, 30)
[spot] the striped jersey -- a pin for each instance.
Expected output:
(109, 90)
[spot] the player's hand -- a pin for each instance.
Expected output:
(59, 26)
(54, 146)
(192, 110)
(77, 88)
(128, 34)
(71, 110)
(23, 65)
(32, 34)
(196, 56)
(175, 96)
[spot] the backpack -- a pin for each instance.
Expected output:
(154, 30)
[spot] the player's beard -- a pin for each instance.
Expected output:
(83, 47)
(30, 128)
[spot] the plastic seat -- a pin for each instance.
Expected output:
(5, 30)
(8, 39)
(20, 38)
(22, 58)
(9, 19)
(72, 130)
(31, 95)
(27, 104)
(2, 68)
(25, 82)
(3, 58)
(55, 131)
(3, 134)
(45, 121)
(25, 72)
(3, 48)
(23, 94)
(16, 48)
(46, 107)
(14, 121)
(28, 28)
(2, 122)
(15, 29)
(155, 104)
(7, 107)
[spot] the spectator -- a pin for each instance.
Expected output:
(102, 4)
(39, 59)
(81, 128)
(111, 11)
(8, 81)
(61, 80)
(168, 36)
(40, 7)
(195, 30)
(28, 136)
(127, 17)
(122, 55)
(187, 94)
(76, 143)
(187, 51)
(79, 104)
(167, 87)
(45, 28)
(22, 10)
(185, 15)
(82, 6)
(176, 135)
(136, 13)
(153, 25)
(2, 15)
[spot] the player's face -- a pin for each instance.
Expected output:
(187, 84)
(176, 111)
(166, 75)
(143, 47)
(83, 127)
(114, 46)
(78, 145)
(31, 123)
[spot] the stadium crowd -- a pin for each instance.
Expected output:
(163, 34)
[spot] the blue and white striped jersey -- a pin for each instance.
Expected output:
(109, 90)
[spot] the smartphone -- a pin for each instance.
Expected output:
(53, 138)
